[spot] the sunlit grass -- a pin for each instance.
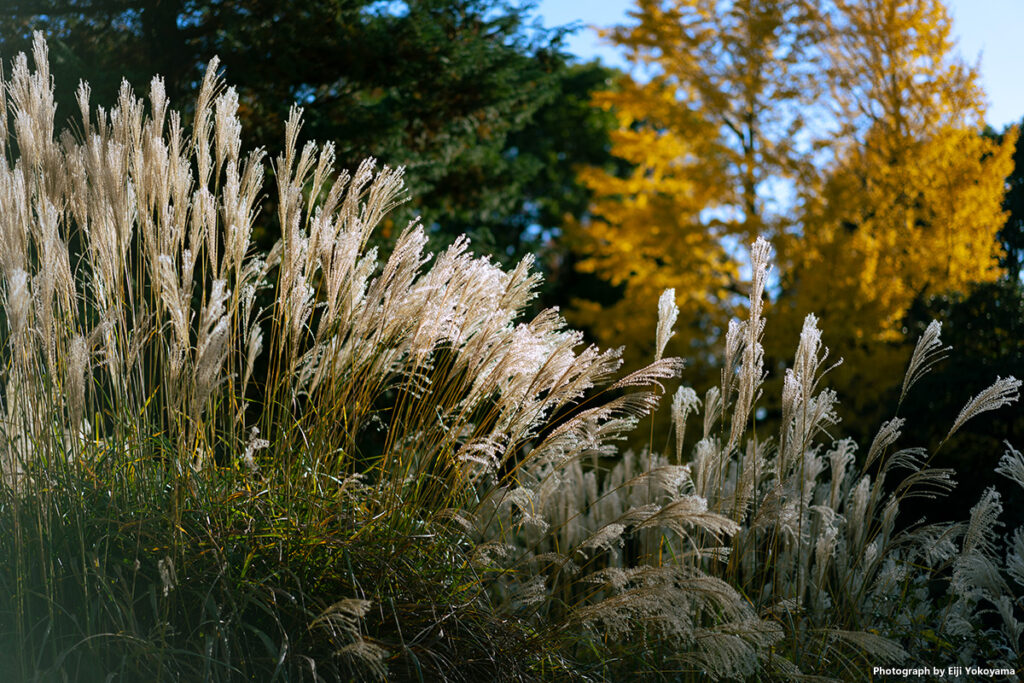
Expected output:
(314, 464)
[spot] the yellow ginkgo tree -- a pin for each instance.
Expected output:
(711, 129)
(848, 132)
(911, 202)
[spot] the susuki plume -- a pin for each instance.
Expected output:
(1011, 465)
(668, 312)
(1002, 392)
(928, 351)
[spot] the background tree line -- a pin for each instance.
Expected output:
(848, 131)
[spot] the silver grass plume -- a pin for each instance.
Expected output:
(927, 352)
(1002, 392)
(1011, 465)
(684, 402)
(752, 370)
(668, 312)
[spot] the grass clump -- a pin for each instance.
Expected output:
(313, 464)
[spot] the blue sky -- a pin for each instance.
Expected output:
(993, 29)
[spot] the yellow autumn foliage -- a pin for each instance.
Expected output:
(848, 132)
(704, 135)
(912, 203)
(645, 233)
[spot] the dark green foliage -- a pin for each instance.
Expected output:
(140, 574)
(567, 132)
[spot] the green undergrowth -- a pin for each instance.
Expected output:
(120, 568)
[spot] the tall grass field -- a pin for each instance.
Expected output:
(319, 464)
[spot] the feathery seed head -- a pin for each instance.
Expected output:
(1011, 465)
(19, 302)
(927, 352)
(668, 312)
(1002, 392)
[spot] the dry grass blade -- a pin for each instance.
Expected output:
(1002, 392)
(927, 352)
(665, 368)
(876, 647)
